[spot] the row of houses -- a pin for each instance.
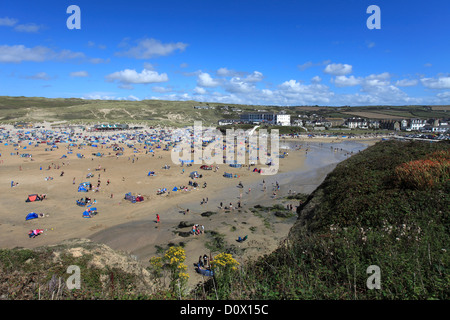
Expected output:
(110, 127)
(422, 125)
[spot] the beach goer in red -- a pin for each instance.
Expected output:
(157, 218)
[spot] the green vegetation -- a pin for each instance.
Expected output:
(42, 273)
(362, 215)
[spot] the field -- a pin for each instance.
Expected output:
(376, 115)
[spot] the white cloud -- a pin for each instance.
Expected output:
(382, 79)
(40, 76)
(131, 97)
(344, 81)
(293, 92)
(8, 22)
(107, 96)
(148, 66)
(98, 60)
(316, 79)
(79, 74)
(256, 76)
(439, 83)
(406, 83)
(338, 69)
(224, 72)
(161, 89)
(151, 48)
(373, 80)
(28, 28)
(199, 90)
(305, 66)
(205, 80)
(237, 85)
(20, 53)
(311, 64)
(92, 44)
(129, 76)
(444, 95)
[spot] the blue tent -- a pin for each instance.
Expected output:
(175, 189)
(151, 173)
(86, 214)
(82, 188)
(31, 216)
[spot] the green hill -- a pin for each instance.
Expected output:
(181, 113)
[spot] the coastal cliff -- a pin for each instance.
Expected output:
(387, 207)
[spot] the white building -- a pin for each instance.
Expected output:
(283, 119)
(416, 124)
(354, 123)
(442, 128)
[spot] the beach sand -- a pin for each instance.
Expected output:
(132, 227)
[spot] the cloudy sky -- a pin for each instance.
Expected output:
(266, 52)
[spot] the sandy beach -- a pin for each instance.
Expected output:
(132, 227)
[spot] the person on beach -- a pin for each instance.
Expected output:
(157, 218)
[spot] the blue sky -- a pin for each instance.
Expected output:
(249, 52)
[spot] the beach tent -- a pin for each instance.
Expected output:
(151, 173)
(175, 189)
(86, 214)
(228, 175)
(32, 198)
(84, 187)
(31, 216)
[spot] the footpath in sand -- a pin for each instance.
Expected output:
(132, 227)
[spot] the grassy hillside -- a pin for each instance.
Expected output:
(386, 206)
(180, 113)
